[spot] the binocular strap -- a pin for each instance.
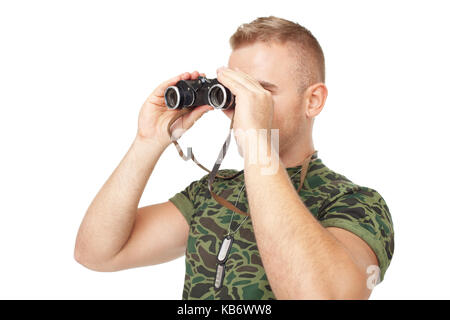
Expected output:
(190, 154)
(213, 173)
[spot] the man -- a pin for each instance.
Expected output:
(326, 241)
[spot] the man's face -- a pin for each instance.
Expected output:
(274, 63)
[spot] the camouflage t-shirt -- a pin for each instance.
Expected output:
(332, 199)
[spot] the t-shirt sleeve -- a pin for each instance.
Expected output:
(185, 199)
(364, 212)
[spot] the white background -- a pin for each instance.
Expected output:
(74, 74)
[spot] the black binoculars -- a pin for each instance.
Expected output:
(194, 93)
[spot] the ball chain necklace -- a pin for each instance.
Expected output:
(227, 242)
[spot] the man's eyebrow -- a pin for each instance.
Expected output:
(267, 84)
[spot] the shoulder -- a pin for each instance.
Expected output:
(357, 208)
(326, 182)
(337, 187)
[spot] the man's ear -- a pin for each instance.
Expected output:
(315, 97)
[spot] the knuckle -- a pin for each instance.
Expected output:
(267, 93)
(259, 95)
(254, 94)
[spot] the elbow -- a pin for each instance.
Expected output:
(90, 262)
(83, 259)
(349, 282)
(350, 288)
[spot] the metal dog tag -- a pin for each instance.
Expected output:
(225, 249)
(220, 273)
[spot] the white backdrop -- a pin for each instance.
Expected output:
(74, 74)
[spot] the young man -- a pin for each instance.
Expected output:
(326, 241)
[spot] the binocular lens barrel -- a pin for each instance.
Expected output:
(172, 97)
(193, 93)
(176, 98)
(217, 96)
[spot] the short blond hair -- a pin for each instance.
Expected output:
(305, 47)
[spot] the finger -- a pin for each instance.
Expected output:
(159, 91)
(248, 77)
(242, 78)
(160, 101)
(228, 112)
(194, 115)
(235, 86)
(186, 76)
(195, 74)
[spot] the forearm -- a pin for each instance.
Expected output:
(110, 217)
(302, 259)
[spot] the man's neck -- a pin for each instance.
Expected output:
(293, 155)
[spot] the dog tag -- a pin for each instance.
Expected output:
(220, 273)
(225, 249)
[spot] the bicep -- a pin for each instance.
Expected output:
(361, 253)
(159, 235)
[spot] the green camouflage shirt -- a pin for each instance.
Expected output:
(330, 197)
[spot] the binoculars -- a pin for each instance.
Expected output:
(194, 93)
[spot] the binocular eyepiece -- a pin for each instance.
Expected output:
(194, 93)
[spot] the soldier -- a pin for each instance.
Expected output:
(301, 232)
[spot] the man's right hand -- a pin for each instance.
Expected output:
(155, 116)
(115, 234)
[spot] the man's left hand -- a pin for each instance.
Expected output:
(254, 104)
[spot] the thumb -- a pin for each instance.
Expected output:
(194, 115)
